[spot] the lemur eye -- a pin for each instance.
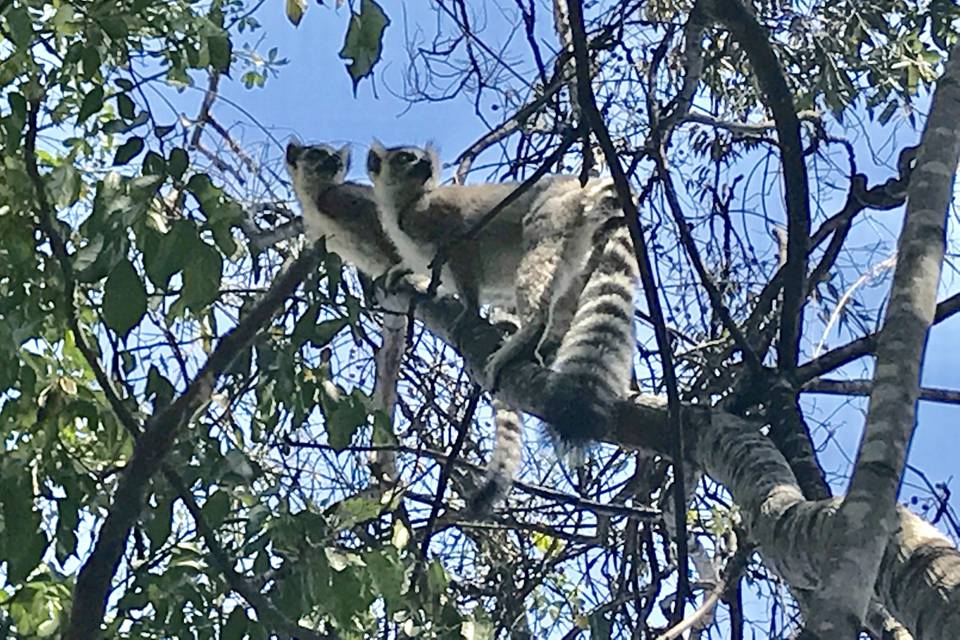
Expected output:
(406, 157)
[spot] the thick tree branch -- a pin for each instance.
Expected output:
(257, 600)
(46, 222)
(919, 579)
(755, 41)
(868, 515)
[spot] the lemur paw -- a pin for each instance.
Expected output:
(397, 278)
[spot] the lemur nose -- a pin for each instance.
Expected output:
(423, 168)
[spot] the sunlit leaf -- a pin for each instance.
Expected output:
(295, 9)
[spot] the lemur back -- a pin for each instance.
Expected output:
(420, 216)
(556, 255)
(343, 212)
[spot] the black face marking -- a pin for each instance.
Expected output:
(405, 157)
(293, 153)
(422, 170)
(316, 155)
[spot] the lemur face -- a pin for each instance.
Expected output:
(318, 162)
(403, 166)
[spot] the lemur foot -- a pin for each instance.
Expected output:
(397, 278)
(495, 364)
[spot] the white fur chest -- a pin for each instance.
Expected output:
(412, 253)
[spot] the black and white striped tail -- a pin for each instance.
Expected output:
(596, 354)
(504, 462)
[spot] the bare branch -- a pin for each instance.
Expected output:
(594, 118)
(863, 387)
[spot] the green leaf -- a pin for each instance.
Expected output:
(216, 508)
(128, 150)
(114, 26)
(363, 43)
(344, 418)
(178, 162)
(163, 253)
(153, 164)
(236, 625)
(21, 27)
(92, 103)
(158, 386)
(159, 522)
(124, 298)
(201, 277)
(304, 327)
(125, 106)
(23, 537)
(162, 130)
(90, 60)
(326, 330)
(389, 576)
(295, 9)
(220, 51)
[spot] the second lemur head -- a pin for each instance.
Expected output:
(316, 165)
(403, 171)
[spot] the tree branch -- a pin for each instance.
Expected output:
(96, 574)
(863, 387)
(755, 41)
(868, 514)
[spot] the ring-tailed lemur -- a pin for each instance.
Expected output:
(346, 215)
(564, 254)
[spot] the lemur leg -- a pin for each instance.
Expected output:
(541, 276)
(532, 279)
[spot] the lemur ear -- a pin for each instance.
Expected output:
(433, 152)
(293, 151)
(375, 158)
(344, 153)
